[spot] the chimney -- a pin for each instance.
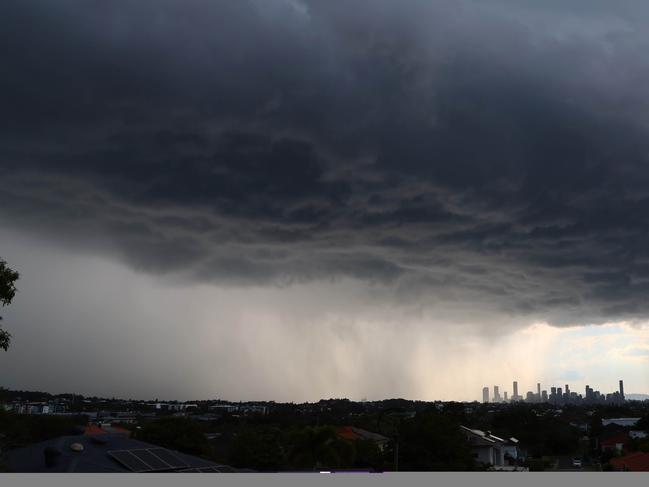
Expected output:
(52, 455)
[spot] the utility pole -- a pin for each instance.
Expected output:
(398, 411)
(396, 452)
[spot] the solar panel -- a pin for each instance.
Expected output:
(151, 460)
(130, 461)
(169, 458)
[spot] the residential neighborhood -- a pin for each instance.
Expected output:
(41, 432)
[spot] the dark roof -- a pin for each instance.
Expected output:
(93, 459)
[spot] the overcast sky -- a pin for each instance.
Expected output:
(296, 199)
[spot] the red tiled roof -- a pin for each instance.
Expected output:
(352, 433)
(93, 429)
(347, 433)
(635, 462)
(615, 439)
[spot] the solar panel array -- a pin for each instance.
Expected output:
(201, 470)
(149, 460)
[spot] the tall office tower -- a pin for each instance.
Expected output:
(544, 396)
(622, 389)
(559, 394)
(538, 391)
(590, 394)
(515, 394)
(485, 394)
(505, 396)
(567, 390)
(496, 394)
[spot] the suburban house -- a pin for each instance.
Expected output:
(351, 433)
(97, 453)
(634, 462)
(501, 454)
(613, 438)
(485, 447)
(513, 452)
(617, 442)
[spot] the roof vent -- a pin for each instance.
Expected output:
(76, 447)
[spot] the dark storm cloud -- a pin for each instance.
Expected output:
(478, 153)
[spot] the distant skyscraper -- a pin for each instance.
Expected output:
(567, 391)
(559, 394)
(515, 393)
(622, 389)
(505, 396)
(538, 391)
(485, 394)
(496, 394)
(544, 396)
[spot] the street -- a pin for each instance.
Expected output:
(564, 464)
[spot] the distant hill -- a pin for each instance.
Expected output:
(637, 397)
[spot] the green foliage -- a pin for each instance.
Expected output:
(183, 434)
(433, 441)
(607, 455)
(24, 429)
(367, 454)
(640, 444)
(271, 448)
(541, 434)
(316, 447)
(536, 464)
(261, 449)
(643, 423)
(8, 278)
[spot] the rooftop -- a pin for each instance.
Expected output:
(635, 462)
(353, 433)
(94, 454)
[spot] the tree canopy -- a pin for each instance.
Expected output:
(8, 278)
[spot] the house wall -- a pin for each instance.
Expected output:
(512, 451)
(499, 457)
(484, 454)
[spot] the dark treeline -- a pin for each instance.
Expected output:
(416, 435)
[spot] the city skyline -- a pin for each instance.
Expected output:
(578, 398)
(555, 394)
